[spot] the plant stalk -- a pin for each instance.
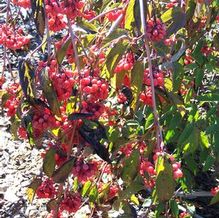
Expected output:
(148, 53)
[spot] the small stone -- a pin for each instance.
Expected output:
(10, 195)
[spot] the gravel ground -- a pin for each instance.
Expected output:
(18, 165)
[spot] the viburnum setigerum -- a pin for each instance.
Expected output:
(13, 38)
(22, 3)
(106, 100)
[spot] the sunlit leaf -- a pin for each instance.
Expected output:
(93, 194)
(26, 76)
(86, 188)
(165, 179)
(31, 190)
(49, 162)
(137, 74)
(114, 56)
(49, 93)
(129, 16)
(215, 199)
(60, 53)
(131, 164)
(37, 7)
(62, 173)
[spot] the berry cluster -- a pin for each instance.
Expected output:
(147, 166)
(22, 133)
(184, 215)
(177, 172)
(121, 98)
(89, 14)
(85, 171)
(22, 3)
(57, 11)
(46, 189)
(13, 101)
(71, 202)
(188, 58)
(215, 190)
(172, 3)
(126, 63)
(63, 83)
(146, 97)
(2, 81)
(156, 30)
(206, 50)
(127, 149)
(112, 16)
(94, 89)
(11, 38)
(43, 120)
(170, 41)
(11, 106)
(158, 77)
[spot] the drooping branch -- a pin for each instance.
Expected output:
(148, 53)
(74, 45)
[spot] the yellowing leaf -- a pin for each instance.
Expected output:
(129, 16)
(134, 199)
(31, 190)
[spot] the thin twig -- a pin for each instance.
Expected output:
(103, 14)
(156, 116)
(48, 35)
(74, 46)
(193, 195)
(115, 24)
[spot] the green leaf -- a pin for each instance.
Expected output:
(62, 173)
(131, 164)
(215, 199)
(208, 97)
(129, 211)
(197, 54)
(204, 139)
(129, 15)
(192, 142)
(137, 16)
(118, 79)
(52, 205)
(15, 124)
(199, 75)
(165, 179)
(185, 133)
(168, 15)
(31, 190)
(190, 11)
(77, 116)
(86, 188)
(208, 163)
(174, 208)
(114, 35)
(133, 188)
(49, 93)
(93, 195)
(26, 76)
(27, 123)
(178, 74)
(179, 21)
(137, 75)
(114, 56)
(37, 7)
(49, 162)
(149, 121)
(88, 27)
(60, 53)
